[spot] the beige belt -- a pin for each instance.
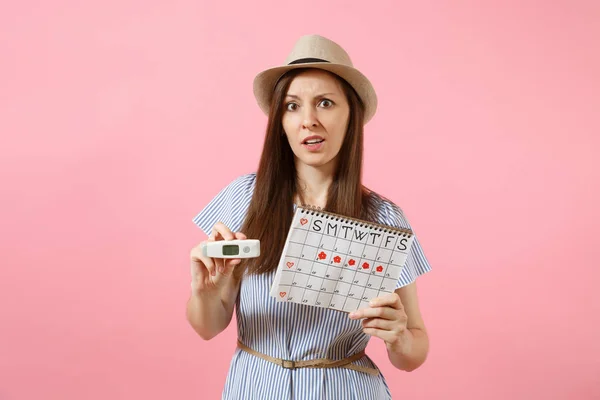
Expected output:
(316, 363)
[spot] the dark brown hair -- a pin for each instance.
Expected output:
(270, 212)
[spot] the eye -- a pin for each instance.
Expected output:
(326, 103)
(291, 106)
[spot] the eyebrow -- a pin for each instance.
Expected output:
(293, 96)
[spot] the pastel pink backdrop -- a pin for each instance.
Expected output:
(119, 121)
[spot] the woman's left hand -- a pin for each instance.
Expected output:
(386, 319)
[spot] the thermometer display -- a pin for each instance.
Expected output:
(231, 250)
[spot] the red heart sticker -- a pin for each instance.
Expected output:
(380, 269)
(290, 264)
(282, 294)
(303, 221)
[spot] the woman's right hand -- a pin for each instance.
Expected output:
(210, 274)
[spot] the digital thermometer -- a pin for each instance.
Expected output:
(248, 248)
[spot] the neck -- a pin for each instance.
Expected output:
(314, 183)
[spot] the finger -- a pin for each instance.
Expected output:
(215, 235)
(229, 265)
(387, 336)
(389, 299)
(204, 262)
(240, 236)
(379, 323)
(233, 261)
(220, 264)
(374, 312)
(223, 230)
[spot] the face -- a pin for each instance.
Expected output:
(315, 118)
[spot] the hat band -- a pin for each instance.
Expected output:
(307, 61)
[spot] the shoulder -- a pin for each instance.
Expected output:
(229, 205)
(238, 193)
(239, 188)
(384, 211)
(242, 183)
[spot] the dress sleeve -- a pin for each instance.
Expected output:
(416, 262)
(229, 206)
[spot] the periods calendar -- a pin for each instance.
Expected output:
(338, 262)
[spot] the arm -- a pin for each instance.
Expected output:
(416, 345)
(210, 313)
(397, 320)
(214, 288)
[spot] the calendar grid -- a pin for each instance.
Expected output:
(304, 300)
(366, 276)
(333, 292)
(388, 264)
(352, 279)
(296, 270)
(324, 275)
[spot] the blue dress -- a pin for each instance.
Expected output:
(294, 331)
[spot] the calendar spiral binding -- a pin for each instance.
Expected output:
(314, 210)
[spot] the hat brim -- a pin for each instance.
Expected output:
(264, 84)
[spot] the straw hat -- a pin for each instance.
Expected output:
(314, 51)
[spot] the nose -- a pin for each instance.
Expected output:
(309, 118)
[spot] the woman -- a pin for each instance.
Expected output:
(317, 104)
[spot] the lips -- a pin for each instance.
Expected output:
(314, 139)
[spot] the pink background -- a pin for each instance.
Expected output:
(112, 115)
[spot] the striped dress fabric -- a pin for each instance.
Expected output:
(294, 331)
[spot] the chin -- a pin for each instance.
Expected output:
(315, 161)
